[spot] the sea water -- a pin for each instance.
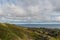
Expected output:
(41, 25)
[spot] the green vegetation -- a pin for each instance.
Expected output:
(13, 32)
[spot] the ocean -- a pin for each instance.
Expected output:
(40, 25)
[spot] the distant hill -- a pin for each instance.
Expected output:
(13, 32)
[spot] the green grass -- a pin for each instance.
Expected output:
(13, 32)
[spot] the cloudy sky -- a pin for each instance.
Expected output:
(30, 11)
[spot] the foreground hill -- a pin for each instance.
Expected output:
(13, 32)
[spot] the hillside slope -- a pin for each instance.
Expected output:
(13, 32)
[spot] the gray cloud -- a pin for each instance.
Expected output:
(56, 4)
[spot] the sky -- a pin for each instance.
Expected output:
(30, 11)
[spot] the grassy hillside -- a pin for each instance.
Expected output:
(13, 32)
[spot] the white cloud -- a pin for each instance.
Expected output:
(1, 11)
(41, 11)
(34, 9)
(31, 9)
(17, 10)
(57, 18)
(14, 10)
